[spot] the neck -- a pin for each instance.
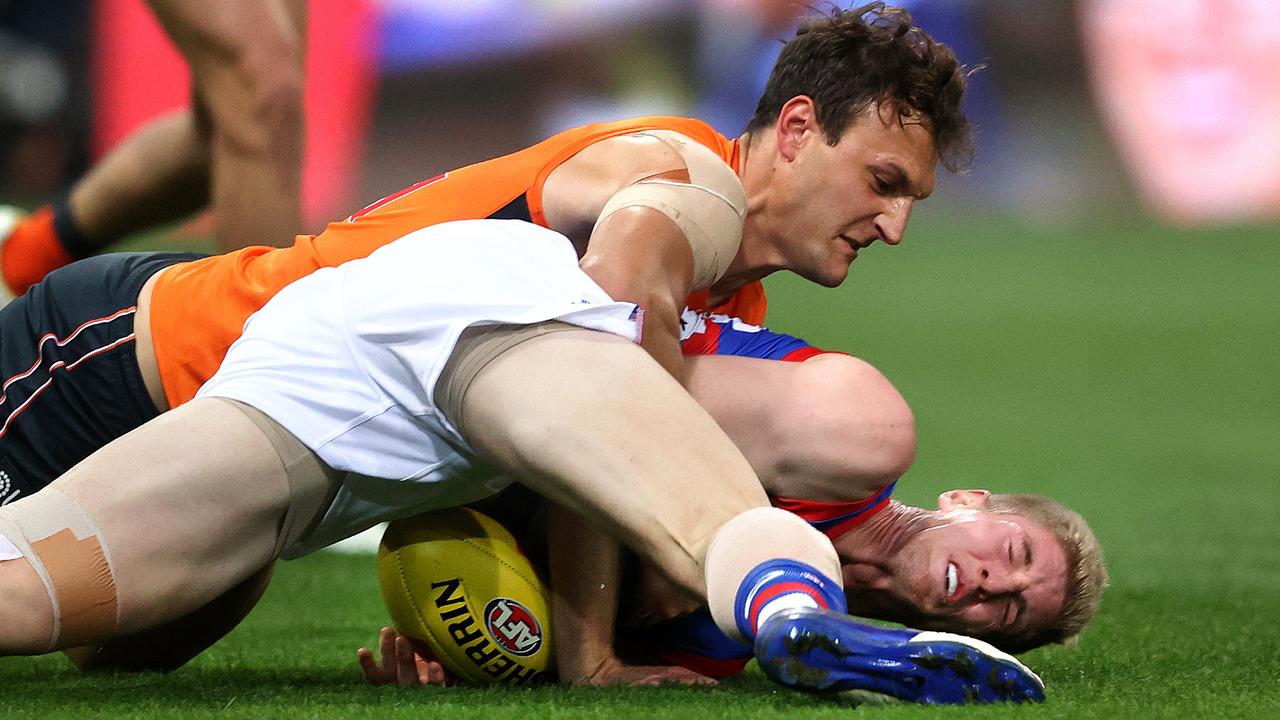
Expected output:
(884, 534)
(756, 258)
(865, 552)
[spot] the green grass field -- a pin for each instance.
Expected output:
(1129, 370)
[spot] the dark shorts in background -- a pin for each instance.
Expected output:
(71, 382)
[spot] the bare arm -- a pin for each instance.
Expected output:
(584, 578)
(638, 255)
(585, 574)
(665, 216)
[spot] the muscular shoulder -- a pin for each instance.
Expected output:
(577, 190)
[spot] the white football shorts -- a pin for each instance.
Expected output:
(347, 358)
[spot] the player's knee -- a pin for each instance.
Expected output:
(860, 425)
(277, 101)
(273, 119)
(275, 70)
(255, 105)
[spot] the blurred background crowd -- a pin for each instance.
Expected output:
(1083, 109)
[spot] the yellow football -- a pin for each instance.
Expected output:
(455, 580)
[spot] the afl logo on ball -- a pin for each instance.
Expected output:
(513, 627)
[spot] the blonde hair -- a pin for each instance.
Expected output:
(1086, 568)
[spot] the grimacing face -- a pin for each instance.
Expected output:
(978, 572)
(835, 200)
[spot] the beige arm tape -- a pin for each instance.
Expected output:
(66, 549)
(756, 536)
(709, 209)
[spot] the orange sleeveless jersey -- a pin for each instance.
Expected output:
(199, 308)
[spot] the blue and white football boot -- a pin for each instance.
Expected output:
(825, 651)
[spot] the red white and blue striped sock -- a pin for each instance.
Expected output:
(779, 585)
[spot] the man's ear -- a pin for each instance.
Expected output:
(963, 500)
(798, 115)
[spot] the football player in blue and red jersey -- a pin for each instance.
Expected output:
(992, 566)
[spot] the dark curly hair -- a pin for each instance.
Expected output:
(850, 59)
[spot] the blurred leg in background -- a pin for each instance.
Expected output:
(238, 149)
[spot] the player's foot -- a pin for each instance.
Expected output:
(821, 651)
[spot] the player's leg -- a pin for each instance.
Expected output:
(170, 646)
(26, 618)
(593, 423)
(69, 364)
(247, 64)
(159, 174)
(154, 526)
(82, 318)
(240, 148)
(831, 428)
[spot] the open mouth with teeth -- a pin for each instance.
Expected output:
(952, 580)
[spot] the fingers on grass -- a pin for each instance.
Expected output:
(387, 644)
(369, 666)
(430, 675)
(406, 668)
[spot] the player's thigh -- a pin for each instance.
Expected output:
(167, 647)
(188, 505)
(591, 421)
(70, 368)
